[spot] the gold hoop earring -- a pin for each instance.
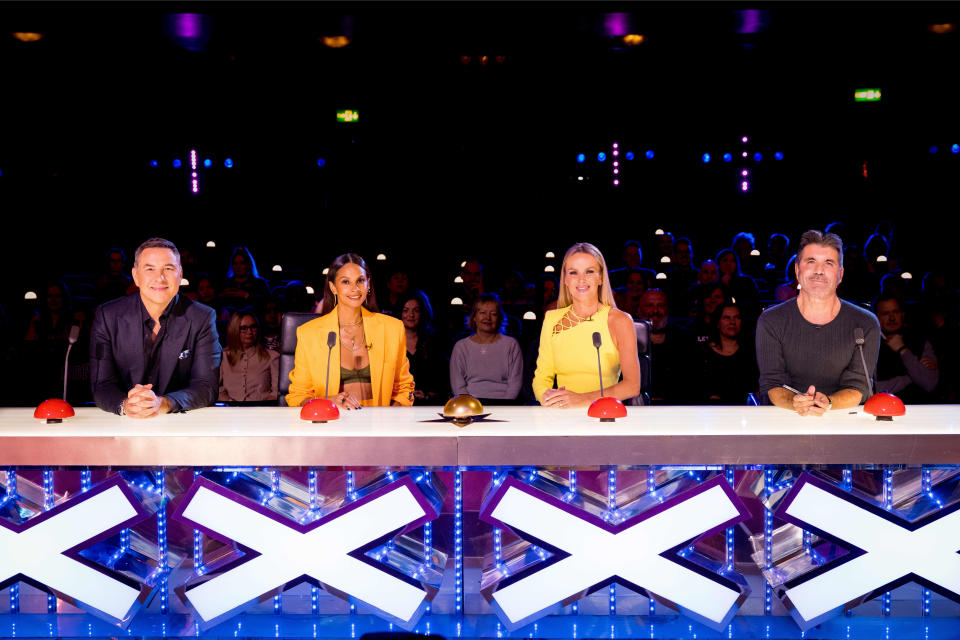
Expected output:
(336, 300)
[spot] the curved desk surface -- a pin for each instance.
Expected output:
(410, 436)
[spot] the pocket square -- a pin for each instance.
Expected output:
(184, 354)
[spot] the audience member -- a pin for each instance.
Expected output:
(155, 351)
(488, 364)
(664, 247)
(907, 364)
(632, 257)
(743, 289)
(729, 366)
(270, 327)
(114, 282)
(45, 348)
(743, 246)
(710, 298)
(547, 292)
(627, 297)
(249, 372)
(788, 289)
(682, 274)
(428, 365)
(671, 352)
(243, 283)
(398, 286)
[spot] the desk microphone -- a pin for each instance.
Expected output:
(859, 340)
(74, 334)
(331, 343)
(597, 341)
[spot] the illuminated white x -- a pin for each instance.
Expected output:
(288, 553)
(38, 550)
(891, 551)
(631, 554)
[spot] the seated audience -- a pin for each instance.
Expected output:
(248, 372)
(710, 298)
(627, 297)
(45, 348)
(155, 351)
(568, 358)
(488, 364)
(742, 288)
(632, 258)
(788, 289)
(729, 363)
(671, 353)
(397, 287)
(114, 282)
(907, 364)
(427, 364)
(270, 327)
(243, 284)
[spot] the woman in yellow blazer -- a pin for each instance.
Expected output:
(368, 364)
(567, 355)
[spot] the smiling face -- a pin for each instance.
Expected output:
(582, 277)
(636, 285)
(350, 285)
(487, 318)
(818, 271)
(410, 315)
(158, 275)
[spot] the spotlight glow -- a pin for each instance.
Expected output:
(277, 267)
(228, 163)
(778, 155)
(665, 259)
(628, 155)
(529, 315)
(727, 157)
(744, 139)
(309, 290)
(581, 157)
(661, 276)
(906, 275)
(955, 148)
(321, 162)
(658, 232)
(649, 154)
(881, 258)
(154, 163)
(30, 295)
(550, 254)
(177, 163)
(326, 270)
(549, 269)
(744, 185)
(601, 157)
(381, 256)
(705, 157)
(458, 280)
(211, 244)
(184, 282)
(463, 264)
(456, 302)
(207, 163)
(744, 173)
(757, 157)
(755, 252)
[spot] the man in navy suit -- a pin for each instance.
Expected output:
(155, 351)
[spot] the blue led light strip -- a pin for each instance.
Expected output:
(767, 543)
(729, 561)
(886, 602)
(497, 533)
(12, 495)
(847, 480)
(926, 596)
(614, 516)
(458, 541)
(49, 497)
(160, 479)
(197, 544)
(351, 495)
(274, 490)
(652, 490)
(314, 500)
(572, 475)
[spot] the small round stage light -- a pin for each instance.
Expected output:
(309, 290)
(207, 162)
(778, 155)
(456, 302)
(184, 282)
(661, 276)
(733, 300)
(550, 254)
(658, 232)
(549, 269)
(601, 157)
(955, 148)
(705, 158)
(321, 162)
(941, 29)
(744, 185)
(649, 154)
(906, 275)
(529, 315)
(744, 139)
(277, 267)
(744, 173)
(934, 149)
(628, 155)
(458, 280)
(616, 146)
(616, 183)
(744, 154)
(881, 258)
(193, 175)
(228, 163)
(381, 256)
(727, 157)
(27, 36)
(579, 178)
(463, 264)
(665, 260)
(154, 163)
(211, 244)
(30, 295)
(755, 252)
(581, 157)
(633, 39)
(326, 270)
(757, 157)
(335, 42)
(177, 163)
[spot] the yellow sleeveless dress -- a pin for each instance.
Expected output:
(569, 357)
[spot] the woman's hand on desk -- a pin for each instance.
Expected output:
(563, 399)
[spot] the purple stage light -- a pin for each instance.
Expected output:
(188, 30)
(744, 139)
(744, 173)
(744, 185)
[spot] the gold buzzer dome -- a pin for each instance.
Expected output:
(462, 409)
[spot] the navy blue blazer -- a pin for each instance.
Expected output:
(189, 360)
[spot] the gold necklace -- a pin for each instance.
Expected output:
(353, 340)
(578, 319)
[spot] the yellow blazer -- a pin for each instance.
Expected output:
(389, 368)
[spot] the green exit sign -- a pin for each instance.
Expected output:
(866, 95)
(348, 115)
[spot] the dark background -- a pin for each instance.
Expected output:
(453, 157)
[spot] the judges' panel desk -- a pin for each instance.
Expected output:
(672, 522)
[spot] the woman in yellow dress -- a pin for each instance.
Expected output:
(368, 365)
(567, 355)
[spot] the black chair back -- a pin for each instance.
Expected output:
(642, 329)
(288, 348)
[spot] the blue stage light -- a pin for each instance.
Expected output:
(757, 157)
(601, 156)
(208, 163)
(581, 157)
(955, 148)
(628, 155)
(727, 157)
(228, 163)
(649, 154)
(177, 163)
(154, 163)
(706, 158)
(778, 155)
(934, 149)
(1, 172)
(321, 162)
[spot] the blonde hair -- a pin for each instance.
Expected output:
(604, 291)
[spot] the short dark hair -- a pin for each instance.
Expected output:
(480, 299)
(813, 236)
(155, 243)
(884, 297)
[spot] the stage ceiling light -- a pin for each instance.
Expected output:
(27, 36)
(941, 29)
(335, 42)
(633, 39)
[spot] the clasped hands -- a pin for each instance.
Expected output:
(811, 403)
(563, 399)
(142, 402)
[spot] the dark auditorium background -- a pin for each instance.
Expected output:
(471, 117)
